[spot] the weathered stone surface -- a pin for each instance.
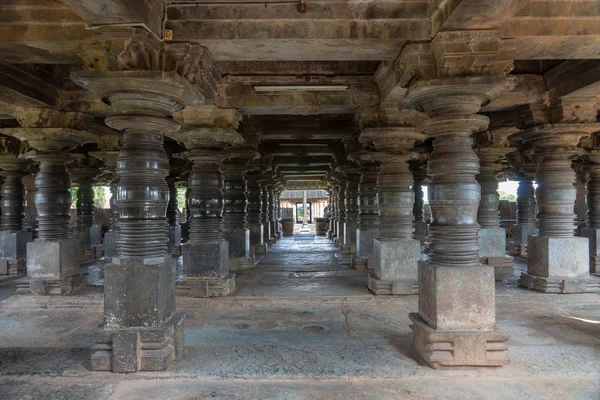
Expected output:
(13, 245)
(174, 235)
(448, 301)
(139, 292)
(110, 244)
(396, 260)
(364, 242)
(492, 242)
(521, 233)
(53, 259)
(593, 234)
(205, 259)
(239, 242)
(144, 349)
(201, 287)
(550, 257)
(455, 347)
(420, 230)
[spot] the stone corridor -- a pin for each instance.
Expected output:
(301, 325)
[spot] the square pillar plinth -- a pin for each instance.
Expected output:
(174, 235)
(521, 233)
(349, 245)
(13, 252)
(396, 267)
(141, 330)
(455, 325)
(559, 265)
(420, 231)
(492, 247)
(52, 268)
(206, 270)
(364, 244)
(341, 229)
(593, 234)
(110, 244)
(239, 242)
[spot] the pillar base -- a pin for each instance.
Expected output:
(110, 244)
(13, 252)
(52, 268)
(348, 248)
(259, 248)
(521, 233)
(590, 284)
(139, 349)
(205, 260)
(338, 242)
(364, 241)
(241, 263)
(420, 232)
(498, 262)
(593, 235)
(359, 263)
(396, 260)
(385, 287)
(200, 287)
(446, 348)
(492, 243)
(54, 287)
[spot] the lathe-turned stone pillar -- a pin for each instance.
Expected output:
(13, 239)
(341, 207)
(525, 225)
(592, 231)
(350, 221)
(266, 213)
(109, 151)
(53, 258)
(419, 222)
(396, 253)
(235, 222)
(255, 210)
(332, 205)
(206, 254)
(455, 324)
(275, 211)
(368, 215)
(84, 171)
(557, 262)
(492, 237)
(142, 329)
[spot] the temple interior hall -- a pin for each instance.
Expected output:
(298, 199)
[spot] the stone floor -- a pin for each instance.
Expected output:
(301, 325)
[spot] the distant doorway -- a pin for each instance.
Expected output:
(300, 212)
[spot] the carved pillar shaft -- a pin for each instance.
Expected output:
(172, 205)
(419, 201)
(556, 195)
(205, 201)
(114, 210)
(254, 208)
(13, 201)
(525, 202)
(52, 197)
(351, 199)
(142, 192)
(85, 204)
(395, 198)
(593, 197)
(368, 216)
(488, 215)
(234, 197)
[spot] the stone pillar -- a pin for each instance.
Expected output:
(332, 207)
(13, 239)
(142, 329)
(341, 207)
(368, 215)
(235, 222)
(185, 227)
(419, 223)
(352, 174)
(206, 254)
(592, 231)
(53, 258)
(395, 254)
(558, 262)
(455, 324)
(84, 172)
(173, 228)
(109, 146)
(492, 237)
(304, 205)
(255, 211)
(525, 225)
(266, 214)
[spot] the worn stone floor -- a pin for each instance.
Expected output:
(301, 325)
